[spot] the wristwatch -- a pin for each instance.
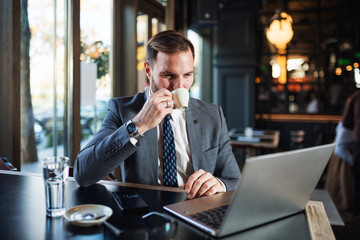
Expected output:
(132, 130)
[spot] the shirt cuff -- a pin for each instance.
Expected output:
(224, 187)
(133, 141)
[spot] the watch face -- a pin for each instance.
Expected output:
(131, 128)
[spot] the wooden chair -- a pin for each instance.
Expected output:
(6, 165)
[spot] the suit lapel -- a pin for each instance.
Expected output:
(194, 135)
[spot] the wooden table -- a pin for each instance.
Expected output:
(260, 139)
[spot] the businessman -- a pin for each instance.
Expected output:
(154, 143)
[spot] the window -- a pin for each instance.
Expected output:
(48, 89)
(196, 41)
(143, 36)
(95, 80)
(45, 98)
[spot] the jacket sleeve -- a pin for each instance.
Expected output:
(105, 151)
(344, 141)
(357, 118)
(227, 169)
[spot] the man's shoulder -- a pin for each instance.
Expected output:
(126, 107)
(202, 104)
(128, 100)
(206, 110)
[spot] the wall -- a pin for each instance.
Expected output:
(235, 62)
(10, 81)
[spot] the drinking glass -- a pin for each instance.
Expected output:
(55, 173)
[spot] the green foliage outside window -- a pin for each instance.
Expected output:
(96, 53)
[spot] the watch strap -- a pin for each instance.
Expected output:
(132, 130)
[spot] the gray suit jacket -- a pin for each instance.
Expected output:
(208, 138)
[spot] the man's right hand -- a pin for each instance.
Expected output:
(157, 106)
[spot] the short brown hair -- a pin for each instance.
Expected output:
(169, 41)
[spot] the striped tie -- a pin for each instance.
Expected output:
(169, 155)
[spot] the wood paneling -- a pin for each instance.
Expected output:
(124, 73)
(10, 80)
(234, 63)
(73, 80)
(237, 88)
(236, 35)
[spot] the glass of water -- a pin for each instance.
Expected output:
(55, 173)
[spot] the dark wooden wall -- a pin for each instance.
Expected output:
(235, 62)
(10, 80)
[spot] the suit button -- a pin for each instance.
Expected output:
(116, 147)
(108, 152)
(112, 150)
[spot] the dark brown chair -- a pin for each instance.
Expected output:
(350, 231)
(6, 165)
(297, 139)
(109, 177)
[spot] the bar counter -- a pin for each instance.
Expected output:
(315, 118)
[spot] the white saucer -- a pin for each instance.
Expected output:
(78, 212)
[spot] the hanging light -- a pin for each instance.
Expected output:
(280, 30)
(279, 33)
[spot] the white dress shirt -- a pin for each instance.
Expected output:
(184, 165)
(183, 158)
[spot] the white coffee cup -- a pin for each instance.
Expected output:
(181, 98)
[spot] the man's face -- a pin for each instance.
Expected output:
(171, 71)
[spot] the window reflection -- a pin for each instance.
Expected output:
(142, 36)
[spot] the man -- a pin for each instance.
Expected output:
(131, 135)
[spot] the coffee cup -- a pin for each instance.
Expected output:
(181, 98)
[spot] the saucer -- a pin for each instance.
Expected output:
(77, 215)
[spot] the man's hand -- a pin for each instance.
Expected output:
(202, 183)
(157, 106)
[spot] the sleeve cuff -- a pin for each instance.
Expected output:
(222, 183)
(133, 141)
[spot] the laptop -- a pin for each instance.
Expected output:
(272, 187)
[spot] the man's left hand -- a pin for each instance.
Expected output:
(202, 183)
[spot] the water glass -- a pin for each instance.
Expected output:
(55, 173)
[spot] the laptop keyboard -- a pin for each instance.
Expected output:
(212, 217)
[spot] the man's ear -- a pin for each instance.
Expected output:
(147, 70)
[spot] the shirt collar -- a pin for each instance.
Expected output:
(176, 114)
(148, 92)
